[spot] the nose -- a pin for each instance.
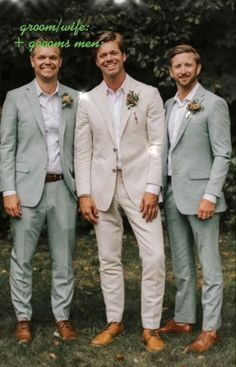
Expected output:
(47, 60)
(109, 57)
(183, 69)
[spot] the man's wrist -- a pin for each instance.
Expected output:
(153, 189)
(8, 193)
(210, 197)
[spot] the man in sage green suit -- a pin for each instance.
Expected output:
(37, 180)
(196, 160)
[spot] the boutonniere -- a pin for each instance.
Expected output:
(66, 100)
(193, 107)
(132, 99)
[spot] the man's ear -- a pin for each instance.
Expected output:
(124, 57)
(199, 68)
(32, 61)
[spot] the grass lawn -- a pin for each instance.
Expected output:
(88, 315)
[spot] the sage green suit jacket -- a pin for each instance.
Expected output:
(201, 154)
(23, 153)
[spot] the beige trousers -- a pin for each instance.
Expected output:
(109, 232)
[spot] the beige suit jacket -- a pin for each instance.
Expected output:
(141, 142)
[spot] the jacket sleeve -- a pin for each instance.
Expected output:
(8, 144)
(219, 133)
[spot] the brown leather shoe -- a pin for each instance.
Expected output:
(104, 338)
(205, 341)
(23, 332)
(65, 330)
(175, 327)
(152, 340)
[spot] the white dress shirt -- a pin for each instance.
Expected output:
(50, 107)
(115, 101)
(178, 111)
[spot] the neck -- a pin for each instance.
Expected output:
(116, 82)
(184, 91)
(48, 87)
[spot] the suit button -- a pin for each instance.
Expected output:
(114, 170)
(115, 149)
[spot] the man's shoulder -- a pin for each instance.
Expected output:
(134, 83)
(169, 101)
(69, 90)
(19, 90)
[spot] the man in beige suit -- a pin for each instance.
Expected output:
(118, 148)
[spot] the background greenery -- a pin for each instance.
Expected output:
(150, 27)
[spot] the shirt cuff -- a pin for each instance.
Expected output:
(8, 193)
(210, 197)
(153, 189)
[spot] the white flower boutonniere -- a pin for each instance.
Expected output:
(66, 100)
(193, 107)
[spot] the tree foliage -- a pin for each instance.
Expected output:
(151, 28)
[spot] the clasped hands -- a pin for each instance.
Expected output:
(148, 207)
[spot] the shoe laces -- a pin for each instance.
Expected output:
(154, 332)
(24, 324)
(66, 324)
(204, 336)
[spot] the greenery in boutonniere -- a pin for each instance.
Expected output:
(132, 99)
(66, 100)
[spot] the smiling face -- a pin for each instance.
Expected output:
(46, 62)
(110, 60)
(185, 70)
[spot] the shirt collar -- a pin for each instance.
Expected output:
(189, 97)
(41, 92)
(123, 87)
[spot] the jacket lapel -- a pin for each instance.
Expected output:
(168, 111)
(101, 102)
(62, 120)
(125, 112)
(33, 99)
(199, 95)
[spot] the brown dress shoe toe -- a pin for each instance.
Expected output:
(108, 334)
(23, 332)
(65, 330)
(175, 327)
(152, 340)
(205, 341)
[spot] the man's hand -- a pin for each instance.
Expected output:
(206, 209)
(149, 206)
(12, 206)
(88, 209)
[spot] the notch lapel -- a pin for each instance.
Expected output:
(102, 104)
(132, 85)
(199, 95)
(63, 112)
(33, 99)
(125, 114)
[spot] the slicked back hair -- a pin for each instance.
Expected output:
(108, 36)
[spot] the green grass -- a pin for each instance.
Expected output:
(88, 315)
